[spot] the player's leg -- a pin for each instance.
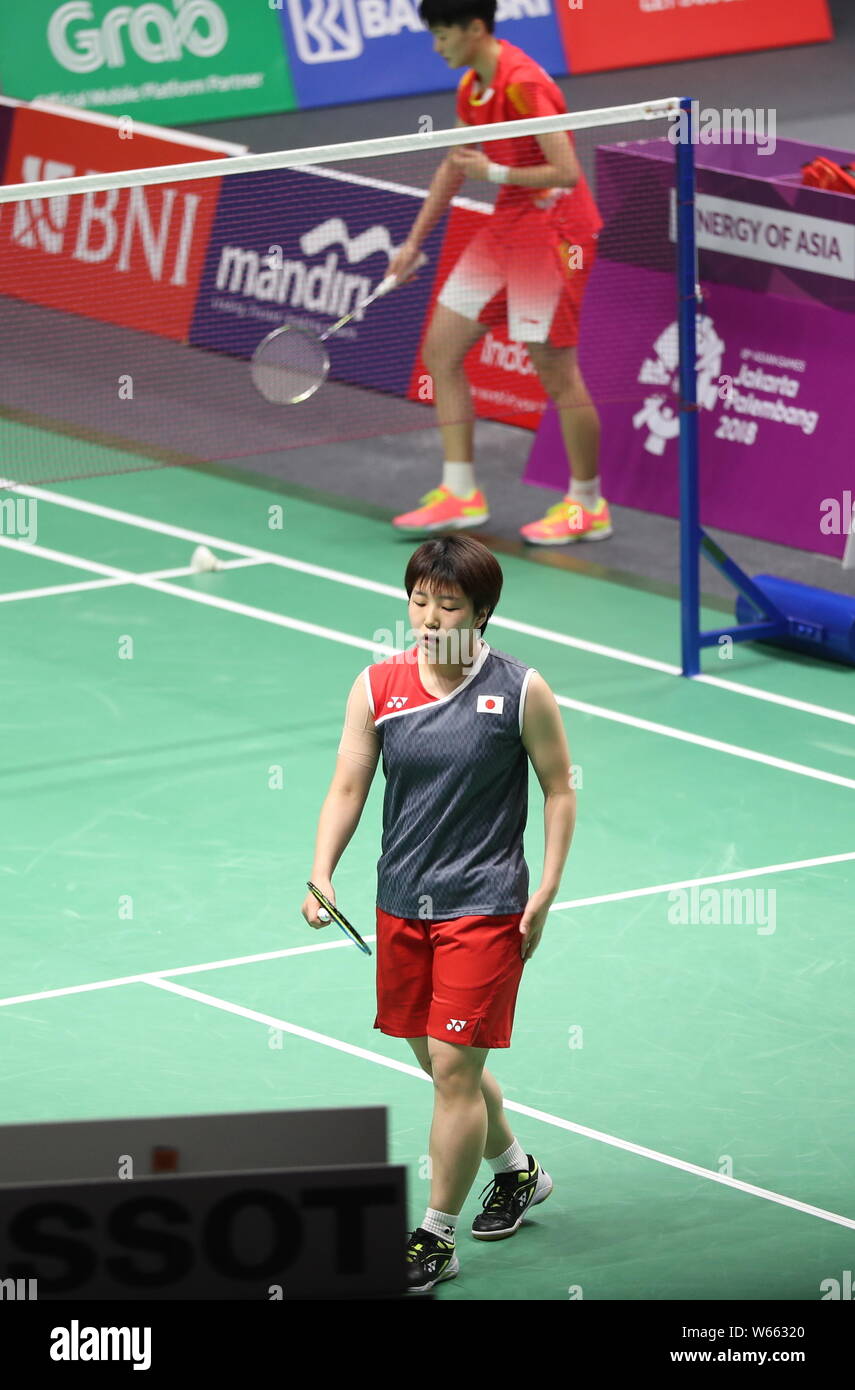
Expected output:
(544, 309)
(500, 1136)
(456, 324)
(562, 380)
(449, 338)
(477, 970)
(459, 1129)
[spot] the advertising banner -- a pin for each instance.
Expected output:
(756, 224)
(304, 246)
(127, 256)
(170, 63)
(774, 438)
(634, 33)
(360, 50)
(776, 339)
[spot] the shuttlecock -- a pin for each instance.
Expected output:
(203, 559)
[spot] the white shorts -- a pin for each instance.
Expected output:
(539, 304)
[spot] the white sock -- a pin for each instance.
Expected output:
(513, 1159)
(459, 478)
(588, 493)
(440, 1223)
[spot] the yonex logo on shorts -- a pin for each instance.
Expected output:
(397, 702)
(490, 704)
(458, 1024)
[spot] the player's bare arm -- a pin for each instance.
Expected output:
(446, 182)
(559, 170)
(545, 741)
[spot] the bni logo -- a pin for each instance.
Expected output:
(154, 224)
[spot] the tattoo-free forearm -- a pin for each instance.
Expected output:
(559, 820)
(540, 176)
(338, 820)
(445, 184)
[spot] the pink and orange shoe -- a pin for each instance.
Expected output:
(443, 510)
(569, 521)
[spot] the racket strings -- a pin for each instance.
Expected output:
(289, 366)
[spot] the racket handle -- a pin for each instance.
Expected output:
(391, 280)
(385, 285)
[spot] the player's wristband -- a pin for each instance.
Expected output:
(498, 173)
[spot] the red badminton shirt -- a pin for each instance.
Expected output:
(521, 88)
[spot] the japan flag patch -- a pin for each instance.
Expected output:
(490, 704)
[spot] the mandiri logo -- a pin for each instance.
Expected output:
(325, 288)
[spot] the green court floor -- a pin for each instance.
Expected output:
(167, 745)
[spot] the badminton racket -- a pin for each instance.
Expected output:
(291, 363)
(340, 919)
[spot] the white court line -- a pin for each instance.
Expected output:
(697, 882)
(701, 741)
(363, 644)
(804, 706)
(51, 590)
(392, 591)
(148, 975)
(254, 1016)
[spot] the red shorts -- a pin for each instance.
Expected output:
(527, 282)
(455, 979)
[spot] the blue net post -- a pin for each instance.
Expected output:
(688, 293)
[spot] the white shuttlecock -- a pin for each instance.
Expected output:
(323, 915)
(203, 559)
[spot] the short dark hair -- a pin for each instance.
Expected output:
(448, 12)
(462, 561)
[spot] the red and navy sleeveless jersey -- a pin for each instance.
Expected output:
(520, 87)
(456, 798)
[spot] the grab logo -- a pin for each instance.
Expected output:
(330, 31)
(155, 34)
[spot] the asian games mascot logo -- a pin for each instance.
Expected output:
(661, 419)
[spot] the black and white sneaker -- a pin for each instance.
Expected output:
(508, 1199)
(430, 1259)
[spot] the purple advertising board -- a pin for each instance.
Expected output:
(776, 340)
(304, 247)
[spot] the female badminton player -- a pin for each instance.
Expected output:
(456, 723)
(524, 272)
